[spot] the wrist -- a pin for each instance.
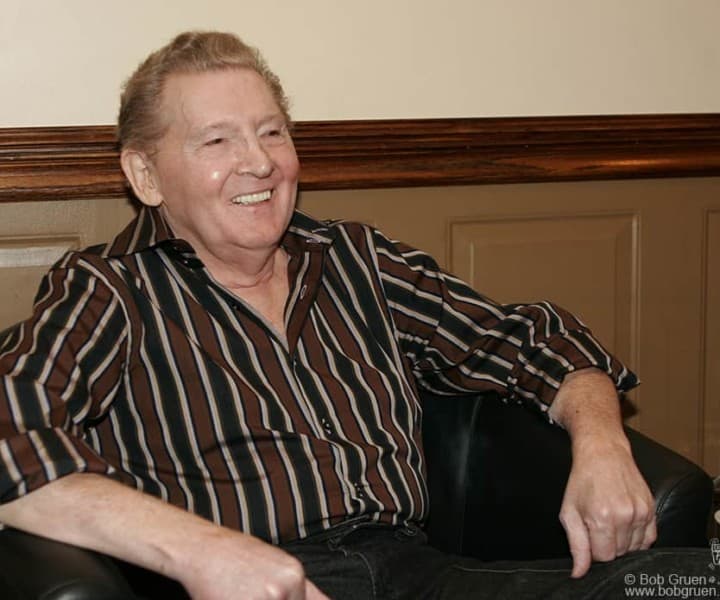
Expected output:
(593, 445)
(187, 553)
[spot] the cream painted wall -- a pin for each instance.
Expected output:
(62, 61)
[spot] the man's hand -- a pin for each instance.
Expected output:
(608, 509)
(233, 565)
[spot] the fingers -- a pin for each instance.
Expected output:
(637, 531)
(633, 541)
(312, 593)
(627, 521)
(643, 534)
(604, 541)
(287, 580)
(579, 542)
(650, 534)
(288, 593)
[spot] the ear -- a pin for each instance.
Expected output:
(140, 172)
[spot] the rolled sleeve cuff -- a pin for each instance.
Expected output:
(30, 460)
(540, 371)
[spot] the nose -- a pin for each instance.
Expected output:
(255, 160)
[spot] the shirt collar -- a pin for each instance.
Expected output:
(149, 229)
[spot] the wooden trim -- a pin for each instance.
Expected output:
(53, 163)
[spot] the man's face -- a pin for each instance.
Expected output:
(225, 171)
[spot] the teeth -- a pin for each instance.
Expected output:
(248, 199)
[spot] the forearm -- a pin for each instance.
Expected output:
(587, 406)
(92, 511)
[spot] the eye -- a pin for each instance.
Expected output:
(215, 141)
(273, 135)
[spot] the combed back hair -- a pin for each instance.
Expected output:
(140, 120)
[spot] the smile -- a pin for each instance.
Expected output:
(248, 199)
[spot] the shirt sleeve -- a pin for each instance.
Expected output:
(58, 371)
(461, 341)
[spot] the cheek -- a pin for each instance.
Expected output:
(285, 158)
(214, 176)
(290, 168)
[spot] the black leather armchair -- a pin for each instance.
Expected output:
(496, 473)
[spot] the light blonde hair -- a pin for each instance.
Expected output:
(140, 120)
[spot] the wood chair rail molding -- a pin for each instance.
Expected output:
(56, 163)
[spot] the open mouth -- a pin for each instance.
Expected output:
(250, 199)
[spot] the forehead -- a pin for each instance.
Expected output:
(197, 99)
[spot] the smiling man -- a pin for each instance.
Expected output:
(224, 178)
(227, 392)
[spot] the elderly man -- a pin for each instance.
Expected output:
(227, 393)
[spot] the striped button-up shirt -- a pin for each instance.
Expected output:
(138, 365)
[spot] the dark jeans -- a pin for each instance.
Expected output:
(364, 561)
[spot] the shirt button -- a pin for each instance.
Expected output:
(180, 246)
(360, 491)
(327, 426)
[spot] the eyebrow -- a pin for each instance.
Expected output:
(273, 117)
(225, 125)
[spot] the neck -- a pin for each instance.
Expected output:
(247, 269)
(265, 289)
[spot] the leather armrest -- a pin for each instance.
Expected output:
(497, 473)
(35, 568)
(683, 492)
